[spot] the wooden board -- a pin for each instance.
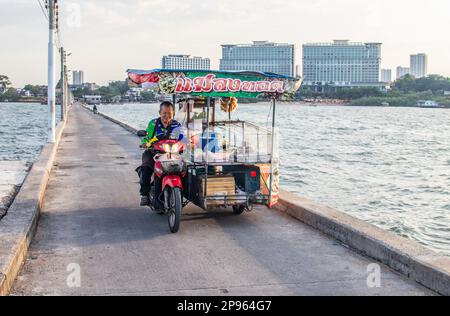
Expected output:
(219, 186)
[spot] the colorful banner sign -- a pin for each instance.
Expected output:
(217, 83)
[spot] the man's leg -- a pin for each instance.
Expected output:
(148, 165)
(158, 189)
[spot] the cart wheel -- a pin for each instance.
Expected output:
(175, 209)
(238, 209)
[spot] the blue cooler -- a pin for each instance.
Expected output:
(213, 145)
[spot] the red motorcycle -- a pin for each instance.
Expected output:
(170, 168)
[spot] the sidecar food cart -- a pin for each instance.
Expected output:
(230, 163)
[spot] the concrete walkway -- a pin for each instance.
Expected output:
(91, 220)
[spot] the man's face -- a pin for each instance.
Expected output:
(166, 114)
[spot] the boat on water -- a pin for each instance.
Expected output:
(92, 99)
(428, 104)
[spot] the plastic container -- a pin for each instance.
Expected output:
(213, 142)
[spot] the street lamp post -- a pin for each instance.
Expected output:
(51, 72)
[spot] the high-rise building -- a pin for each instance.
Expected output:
(419, 65)
(403, 71)
(342, 63)
(386, 75)
(185, 62)
(78, 78)
(259, 56)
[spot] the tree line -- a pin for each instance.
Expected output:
(114, 89)
(404, 91)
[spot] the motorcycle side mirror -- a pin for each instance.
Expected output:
(142, 133)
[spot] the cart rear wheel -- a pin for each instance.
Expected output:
(175, 210)
(238, 209)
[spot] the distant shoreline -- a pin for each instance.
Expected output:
(22, 101)
(334, 103)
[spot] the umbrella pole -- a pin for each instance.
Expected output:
(273, 147)
(208, 105)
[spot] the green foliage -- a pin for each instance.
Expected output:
(405, 92)
(392, 101)
(35, 90)
(341, 93)
(148, 96)
(4, 83)
(356, 93)
(408, 90)
(435, 83)
(406, 99)
(308, 92)
(118, 87)
(80, 92)
(107, 93)
(10, 95)
(113, 89)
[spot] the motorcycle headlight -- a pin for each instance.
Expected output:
(175, 148)
(167, 148)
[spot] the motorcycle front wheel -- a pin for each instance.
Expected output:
(175, 208)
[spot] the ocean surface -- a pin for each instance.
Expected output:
(388, 166)
(23, 130)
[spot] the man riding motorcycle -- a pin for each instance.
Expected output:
(164, 127)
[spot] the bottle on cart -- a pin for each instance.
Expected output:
(224, 143)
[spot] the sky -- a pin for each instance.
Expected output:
(106, 37)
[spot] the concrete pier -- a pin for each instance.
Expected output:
(93, 238)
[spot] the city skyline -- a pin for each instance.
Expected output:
(110, 36)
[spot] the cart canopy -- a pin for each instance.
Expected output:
(239, 84)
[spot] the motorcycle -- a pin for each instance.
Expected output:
(170, 167)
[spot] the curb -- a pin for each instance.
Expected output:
(17, 228)
(406, 256)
